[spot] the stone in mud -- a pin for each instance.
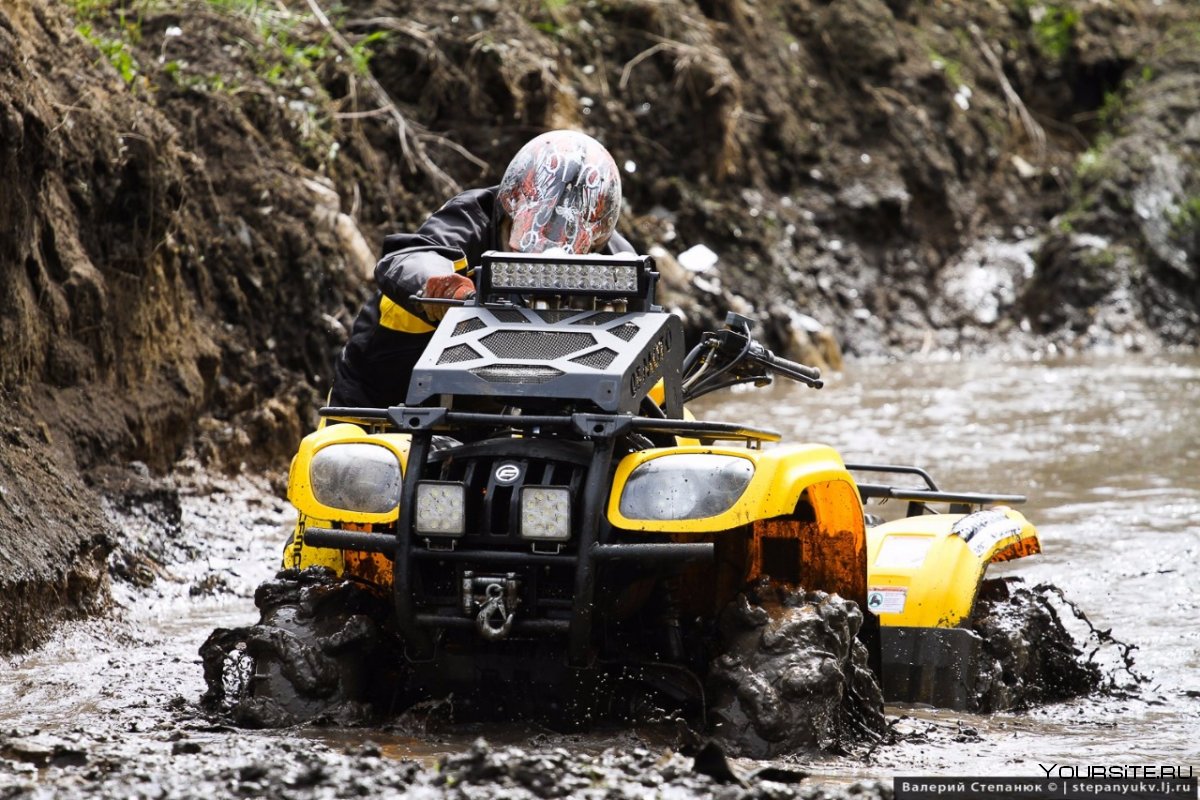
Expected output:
(792, 675)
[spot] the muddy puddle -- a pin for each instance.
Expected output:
(1107, 450)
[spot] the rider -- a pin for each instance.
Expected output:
(561, 191)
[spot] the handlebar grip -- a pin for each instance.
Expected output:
(783, 365)
(791, 369)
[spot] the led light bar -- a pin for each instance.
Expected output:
(620, 276)
(546, 513)
(567, 277)
(441, 508)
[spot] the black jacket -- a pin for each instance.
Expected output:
(392, 331)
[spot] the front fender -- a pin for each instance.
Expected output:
(781, 475)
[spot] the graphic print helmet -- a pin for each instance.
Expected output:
(561, 190)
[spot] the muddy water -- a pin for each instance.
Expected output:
(1107, 450)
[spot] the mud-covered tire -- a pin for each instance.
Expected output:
(792, 675)
(1027, 655)
(319, 653)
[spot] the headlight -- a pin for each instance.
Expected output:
(441, 508)
(356, 477)
(546, 513)
(689, 486)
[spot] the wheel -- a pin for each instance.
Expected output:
(792, 674)
(1027, 657)
(318, 653)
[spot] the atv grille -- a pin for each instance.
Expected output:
(597, 360)
(508, 316)
(599, 318)
(493, 505)
(536, 346)
(460, 352)
(516, 373)
(626, 331)
(556, 315)
(468, 326)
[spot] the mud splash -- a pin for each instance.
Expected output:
(1030, 658)
(793, 675)
(318, 654)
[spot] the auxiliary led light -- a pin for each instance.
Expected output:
(565, 277)
(441, 508)
(546, 513)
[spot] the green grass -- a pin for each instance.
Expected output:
(1053, 26)
(951, 68)
(1186, 219)
(116, 45)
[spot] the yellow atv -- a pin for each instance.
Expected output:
(543, 524)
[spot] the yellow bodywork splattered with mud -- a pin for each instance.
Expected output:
(314, 513)
(924, 574)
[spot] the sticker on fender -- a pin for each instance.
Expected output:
(886, 600)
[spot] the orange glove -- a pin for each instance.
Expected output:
(447, 287)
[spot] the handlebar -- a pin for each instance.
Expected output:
(732, 356)
(789, 369)
(437, 301)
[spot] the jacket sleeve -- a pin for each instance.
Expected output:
(454, 237)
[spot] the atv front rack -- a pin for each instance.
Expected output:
(407, 419)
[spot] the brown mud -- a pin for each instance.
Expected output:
(790, 674)
(793, 675)
(319, 653)
(1029, 657)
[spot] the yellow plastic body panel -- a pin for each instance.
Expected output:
(780, 476)
(921, 574)
(300, 489)
(296, 553)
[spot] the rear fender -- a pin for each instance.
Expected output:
(925, 571)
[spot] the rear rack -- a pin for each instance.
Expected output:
(407, 419)
(921, 496)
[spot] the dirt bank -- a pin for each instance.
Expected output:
(191, 194)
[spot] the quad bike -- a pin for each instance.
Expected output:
(543, 522)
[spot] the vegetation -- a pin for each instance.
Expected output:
(1053, 27)
(1186, 218)
(287, 52)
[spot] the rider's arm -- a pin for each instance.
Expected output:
(455, 236)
